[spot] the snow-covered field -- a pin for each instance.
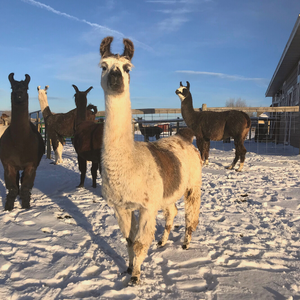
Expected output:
(69, 246)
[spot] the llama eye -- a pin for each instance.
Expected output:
(127, 70)
(104, 68)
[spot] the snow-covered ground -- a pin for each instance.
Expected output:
(69, 246)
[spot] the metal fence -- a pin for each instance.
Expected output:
(274, 130)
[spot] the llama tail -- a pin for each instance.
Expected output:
(187, 134)
(92, 107)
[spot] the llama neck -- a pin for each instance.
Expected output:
(20, 124)
(81, 114)
(118, 134)
(44, 105)
(141, 126)
(187, 110)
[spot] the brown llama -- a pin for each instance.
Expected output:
(87, 139)
(215, 126)
(143, 176)
(21, 147)
(60, 125)
(149, 131)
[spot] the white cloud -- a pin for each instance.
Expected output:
(171, 24)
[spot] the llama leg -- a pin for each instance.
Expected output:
(237, 154)
(11, 178)
(200, 144)
(58, 153)
(144, 237)
(242, 155)
(27, 182)
(170, 213)
(94, 170)
(82, 169)
(100, 170)
(127, 223)
(206, 146)
(192, 199)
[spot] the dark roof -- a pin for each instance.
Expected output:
(289, 59)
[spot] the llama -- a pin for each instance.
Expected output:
(61, 125)
(87, 139)
(6, 119)
(149, 131)
(143, 176)
(21, 147)
(216, 126)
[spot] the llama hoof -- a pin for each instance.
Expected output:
(9, 206)
(160, 244)
(134, 280)
(26, 205)
(185, 247)
(80, 186)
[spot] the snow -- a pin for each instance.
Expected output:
(246, 246)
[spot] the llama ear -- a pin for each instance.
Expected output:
(88, 90)
(128, 48)
(38, 88)
(27, 79)
(11, 78)
(75, 88)
(46, 87)
(188, 85)
(181, 83)
(105, 46)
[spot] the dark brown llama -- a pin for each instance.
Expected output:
(215, 126)
(21, 147)
(87, 139)
(149, 131)
(60, 125)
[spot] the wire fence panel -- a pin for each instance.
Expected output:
(276, 131)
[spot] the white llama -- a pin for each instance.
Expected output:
(57, 143)
(143, 176)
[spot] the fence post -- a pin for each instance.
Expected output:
(204, 107)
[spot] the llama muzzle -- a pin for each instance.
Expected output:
(115, 80)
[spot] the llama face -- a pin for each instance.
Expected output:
(115, 76)
(182, 92)
(80, 97)
(19, 90)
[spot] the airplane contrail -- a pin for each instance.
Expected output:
(95, 25)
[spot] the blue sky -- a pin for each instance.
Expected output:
(224, 48)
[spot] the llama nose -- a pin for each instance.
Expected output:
(115, 78)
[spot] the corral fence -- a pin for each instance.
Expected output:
(274, 130)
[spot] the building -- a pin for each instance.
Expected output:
(284, 88)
